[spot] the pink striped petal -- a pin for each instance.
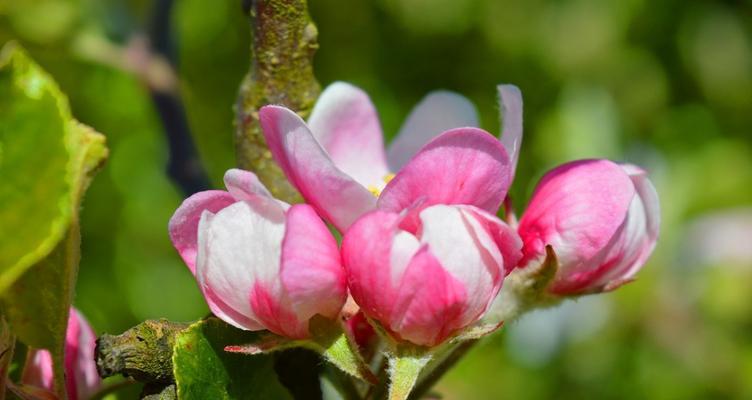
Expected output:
(467, 251)
(501, 235)
(510, 101)
(345, 123)
(311, 270)
(461, 166)
(273, 310)
(431, 303)
(366, 253)
(438, 112)
(183, 226)
(336, 196)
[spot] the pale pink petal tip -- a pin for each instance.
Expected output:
(510, 104)
(183, 225)
(438, 112)
(244, 185)
(346, 125)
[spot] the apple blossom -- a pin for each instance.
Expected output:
(338, 163)
(81, 378)
(260, 263)
(426, 273)
(602, 220)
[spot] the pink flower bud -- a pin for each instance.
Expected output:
(260, 263)
(602, 220)
(81, 378)
(424, 275)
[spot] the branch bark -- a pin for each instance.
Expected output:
(143, 352)
(283, 46)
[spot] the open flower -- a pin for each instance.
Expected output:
(81, 378)
(425, 274)
(602, 220)
(338, 163)
(260, 263)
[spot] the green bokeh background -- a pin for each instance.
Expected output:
(664, 84)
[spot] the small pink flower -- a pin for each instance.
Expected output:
(602, 220)
(338, 163)
(81, 378)
(426, 274)
(260, 263)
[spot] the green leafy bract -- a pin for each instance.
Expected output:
(203, 370)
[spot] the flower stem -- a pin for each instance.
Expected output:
(404, 371)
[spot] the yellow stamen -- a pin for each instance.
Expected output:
(377, 191)
(374, 190)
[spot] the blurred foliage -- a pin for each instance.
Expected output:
(664, 84)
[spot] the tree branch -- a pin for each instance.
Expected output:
(283, 45)
(143, 352)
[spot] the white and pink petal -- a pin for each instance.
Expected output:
(183, 225)
(346, 125)
(238, 247)
(336, 196)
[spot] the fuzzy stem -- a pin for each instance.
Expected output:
(404, 371)
(283, 45)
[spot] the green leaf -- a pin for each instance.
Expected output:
(47, 159)
(328, 338)
(204, 370)
(34, 162)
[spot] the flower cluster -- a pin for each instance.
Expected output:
(423, 253)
